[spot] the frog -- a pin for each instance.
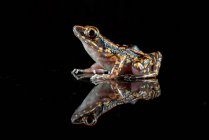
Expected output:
(109, 94)
(114, 60)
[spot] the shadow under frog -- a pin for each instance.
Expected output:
(111, 93)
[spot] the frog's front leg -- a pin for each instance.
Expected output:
(119, 63)
(94, 69)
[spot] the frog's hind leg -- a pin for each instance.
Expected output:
(96, 68)
(154, 69)
(157, 56)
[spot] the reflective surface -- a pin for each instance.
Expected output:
(111, 93)
(45, 95)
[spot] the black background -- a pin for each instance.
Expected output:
(40, 50)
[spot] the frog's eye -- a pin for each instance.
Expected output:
(91, 33)
(89, 120)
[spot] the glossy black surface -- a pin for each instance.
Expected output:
(41, 94)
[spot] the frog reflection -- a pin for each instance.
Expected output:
(111, 93)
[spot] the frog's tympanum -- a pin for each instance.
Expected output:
(113, 60)
(111, 93)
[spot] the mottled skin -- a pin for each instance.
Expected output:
(115, 59)
(111, 93)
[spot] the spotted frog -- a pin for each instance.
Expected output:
(113, 60)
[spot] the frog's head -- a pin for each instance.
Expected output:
(93, 42)
(89, 36)
(86, 33)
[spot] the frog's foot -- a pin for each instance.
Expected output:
(77, 71)
(94, 69)
(89, 70)
(101, 77)
(127, 77)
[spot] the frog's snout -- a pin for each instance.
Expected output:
(77, 29)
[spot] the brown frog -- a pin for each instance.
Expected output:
(113, 60)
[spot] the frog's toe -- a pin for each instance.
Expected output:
(76, 71)
(73, 71)
(100, 77)
(97, 76)
(94, 77)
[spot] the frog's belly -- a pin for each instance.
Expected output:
(106, 62)
(108, 65)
